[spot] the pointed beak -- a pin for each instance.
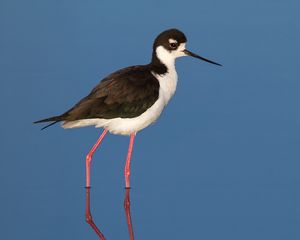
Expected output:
(188, 53)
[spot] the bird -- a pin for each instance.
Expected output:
(130, 99)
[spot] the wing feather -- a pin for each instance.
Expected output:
(126, 93)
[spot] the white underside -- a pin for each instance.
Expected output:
(123, 126)
(126, 126)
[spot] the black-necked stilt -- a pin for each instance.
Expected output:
(132, 98)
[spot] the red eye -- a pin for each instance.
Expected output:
(173, 45)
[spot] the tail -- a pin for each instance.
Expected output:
(53, 120)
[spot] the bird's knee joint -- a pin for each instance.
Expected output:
(88, 158)
(88, 218)
(127, 174)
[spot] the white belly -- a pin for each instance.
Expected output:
(126, 126)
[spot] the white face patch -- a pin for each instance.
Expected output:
(168, 57)
(171, 40)
(181, 48)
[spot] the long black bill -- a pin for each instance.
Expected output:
(187, 52)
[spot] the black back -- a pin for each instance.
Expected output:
(126, 93)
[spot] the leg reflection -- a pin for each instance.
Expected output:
(128, 214)
(89, 218)
(88, 215)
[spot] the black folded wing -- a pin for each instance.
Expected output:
(126, 93)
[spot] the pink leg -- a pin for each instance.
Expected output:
(128, 214)
(89, 158)
(127, 165)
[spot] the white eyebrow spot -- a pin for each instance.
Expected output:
(171, 40)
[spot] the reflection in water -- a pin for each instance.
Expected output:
(89, 218)
(88, 215)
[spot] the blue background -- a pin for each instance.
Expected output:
(222, 162)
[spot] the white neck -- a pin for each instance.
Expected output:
(167, 81)
(166, 58)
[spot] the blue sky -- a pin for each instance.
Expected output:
(222, 162)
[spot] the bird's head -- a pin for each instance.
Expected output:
(170, 45)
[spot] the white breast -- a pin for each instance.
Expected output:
(168, 83)
(126, 126)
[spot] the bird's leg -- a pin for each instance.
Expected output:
(127, 165)
(89, 158)
(127, 213)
